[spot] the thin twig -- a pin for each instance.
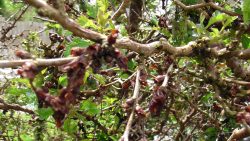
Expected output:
(121, 9)
(236, 81)
(165, 82)
(44, 19)
(8, 28)
(125, 136)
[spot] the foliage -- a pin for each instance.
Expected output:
(9, 7)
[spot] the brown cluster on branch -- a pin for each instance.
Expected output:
(67, 96)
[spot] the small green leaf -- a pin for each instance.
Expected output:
(25, 137)
(70, 126)
(245, 40)
(63, 80)
(214, 19)
(85, 22)
(89, 107)
(92, 10)
(202, 18)
(132, 64)
(207, 97)
(39, 80)
(44, 113)
(154, 21)
(123, 30)
(21, 80)
(88, 72)
(123, 75)
(211, 133)
(215, 33)
(228, 21)
(100, 78)
(77, 42)
(246, 11)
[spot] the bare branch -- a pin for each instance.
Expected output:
(165, 82)
(44, 19)
(5, 106)
(236, 81)
(125, 136)
(39, 62)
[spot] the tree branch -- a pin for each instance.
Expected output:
(125, 136)
(39, 62)
(239, 134)
(125, 43)
(5, 106)
(165, 82)
(201, 5)
(121, 9)
(69, 24)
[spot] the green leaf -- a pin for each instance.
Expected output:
(63, 80)
(229, 20)
(90, 107)
(100, 78)
(123, 75)
(123, 30)
(202, 18)
(57, 27)
(17, 91)
(132, 64)
(154, 20)
(245, 40)
(214, 19)
(215, 33)
(92, 10)
(70, 126)
(39, 80)
(44, 113)
(21, 80)
(211, 133)
(77, 42)
(246, 11)
(102, 14)
(207, 97)
(85, 22)
(88, 72)
(25, 137)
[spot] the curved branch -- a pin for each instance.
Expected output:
(124, 43)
